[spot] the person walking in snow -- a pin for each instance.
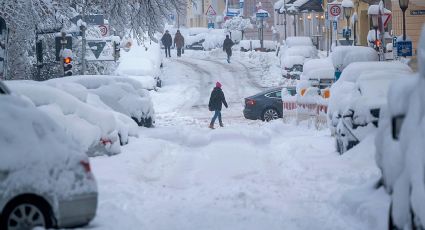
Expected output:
(217, 99)
(227, 46)
(167, 41)
(179, 43)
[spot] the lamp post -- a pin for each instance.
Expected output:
(404, 4)
(348, 10)
(293, 11)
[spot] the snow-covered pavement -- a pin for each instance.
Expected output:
(247, 175)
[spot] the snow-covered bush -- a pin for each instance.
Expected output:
(238, 23)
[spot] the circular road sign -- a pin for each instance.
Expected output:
(335, 10)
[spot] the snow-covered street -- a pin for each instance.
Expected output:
(247, 175)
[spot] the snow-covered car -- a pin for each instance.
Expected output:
(294, 53)
(144, 64)
(126, 125)
(320, 72)
(361, 114)
(342, 56)
(122, 94)
(400, 148)
(45, 177)
(340, 91)
(95, 129)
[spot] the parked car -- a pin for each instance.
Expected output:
(340, 91)
(400, 149)
(362, 110)
(266, 105)
(101, 133)
(45, 177)
(122, 94)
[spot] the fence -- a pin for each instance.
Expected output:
(314, 113)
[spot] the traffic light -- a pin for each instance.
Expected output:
(67, 66)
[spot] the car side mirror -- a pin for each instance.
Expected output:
(396, 124)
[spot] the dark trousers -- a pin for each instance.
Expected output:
(217, 114)
(179, 51)
(167, 51)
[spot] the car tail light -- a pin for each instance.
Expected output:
(86, 166)
(105, 141)
(250, 102)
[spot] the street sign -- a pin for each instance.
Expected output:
(100, 50)
(262, 15)
(386, 18)
(417, 12)
(394, 41)
(404, 48)
(232, 12)
(210, 11)
(334, 9)
(335, 25)
(211, 25)
(104, 30)
(346, 33)
(95, 19)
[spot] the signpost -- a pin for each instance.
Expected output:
(211, 13)
(261, 14)
(334, 9)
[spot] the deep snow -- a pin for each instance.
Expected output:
(247, 175)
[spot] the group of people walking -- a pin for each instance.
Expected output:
(167, 41)
(217, 98)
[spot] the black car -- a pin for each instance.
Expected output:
(266, 105)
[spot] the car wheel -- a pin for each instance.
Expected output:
(148, 122)
(270, 114)
(26, 214)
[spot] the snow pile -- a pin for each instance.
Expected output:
(100, 134)
(38, 154)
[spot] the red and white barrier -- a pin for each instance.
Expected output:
(299, 111)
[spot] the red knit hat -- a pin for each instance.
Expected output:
(218, 84)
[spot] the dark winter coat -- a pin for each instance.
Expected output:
(179, 40)
(217, 99)
(167, 40)
(227, 46)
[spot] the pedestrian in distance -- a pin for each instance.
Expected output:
(217, 99)
(167, 41)
(227, 46)
(179, 43)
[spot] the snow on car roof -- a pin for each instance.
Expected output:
(342, 56)
(318, 69)
(298, 41)
(305, 51)
(290, 61)
(374, 86)
(354, 70)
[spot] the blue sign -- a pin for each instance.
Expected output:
(335, 25)
(346, 32)
(394, 41)
(404, 48)
(211, 25)
(262, 15)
